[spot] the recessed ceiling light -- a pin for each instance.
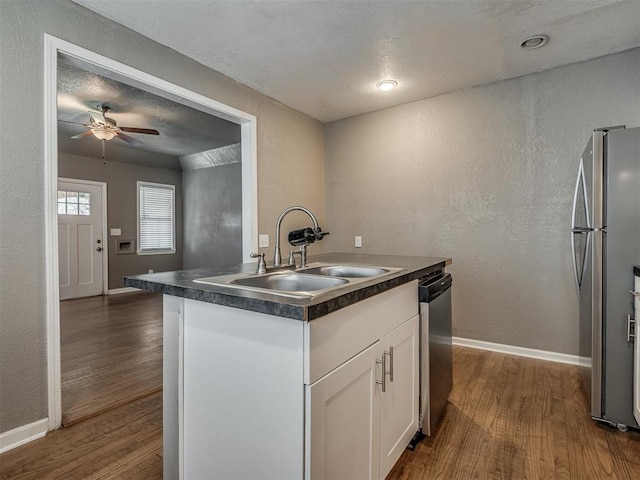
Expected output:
(535, 41)
(386, 85)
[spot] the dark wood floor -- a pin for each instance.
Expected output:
(518, 418)
(507, 418)
(123, 443)
(111, 352)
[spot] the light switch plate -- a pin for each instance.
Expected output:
(116, 231)
(358, 242)
(263, 241)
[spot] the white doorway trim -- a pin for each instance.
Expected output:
(105, 243)
(52, 47)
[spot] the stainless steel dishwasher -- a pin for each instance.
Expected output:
(436, 351)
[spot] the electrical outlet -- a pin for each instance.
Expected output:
(263, 241)
(358, 242)
(151, 270)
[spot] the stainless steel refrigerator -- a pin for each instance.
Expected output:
(606, 246)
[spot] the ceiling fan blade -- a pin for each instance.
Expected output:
(82, 135)
(148, 131)
(130, 140)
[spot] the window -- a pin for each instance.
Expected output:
(74, 203)
(156, 218)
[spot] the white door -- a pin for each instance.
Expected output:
(343, 411)
(80, 239)
(399, 404)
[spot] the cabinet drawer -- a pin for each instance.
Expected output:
(333, 339)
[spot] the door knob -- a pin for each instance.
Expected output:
(99, 249)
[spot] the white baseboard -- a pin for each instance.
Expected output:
(116, 291)
(24, 434)
(519, 351)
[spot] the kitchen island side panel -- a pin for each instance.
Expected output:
(243, 404)
(172, 308)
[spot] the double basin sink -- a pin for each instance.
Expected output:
(309, 281)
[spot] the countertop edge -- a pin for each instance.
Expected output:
(180, 284)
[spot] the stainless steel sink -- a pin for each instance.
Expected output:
(289, 282)
(346, 271)
(312, 281)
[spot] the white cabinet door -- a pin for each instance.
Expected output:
(399, 405)
(343, 411)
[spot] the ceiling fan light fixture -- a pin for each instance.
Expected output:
(386, 85)
(534, 41)
(103, 133)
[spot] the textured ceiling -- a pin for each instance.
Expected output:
(183, 130)
(324, 57)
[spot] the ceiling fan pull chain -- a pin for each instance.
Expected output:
(104, 142)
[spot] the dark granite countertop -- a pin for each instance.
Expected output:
(636, 270)
(181, 284)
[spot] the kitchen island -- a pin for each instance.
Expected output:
(263, 385)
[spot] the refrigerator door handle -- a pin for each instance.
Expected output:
(575, 265)
(580, 201)
(578, 273)
(580, 182)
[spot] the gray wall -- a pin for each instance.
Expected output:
(290, 170)
(212, 216)
(486, 176)
(121, 179)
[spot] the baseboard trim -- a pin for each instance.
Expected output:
(116, 291)
(24, 434)
(519, 351)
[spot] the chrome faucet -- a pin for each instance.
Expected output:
(317, 232)
(262, 266)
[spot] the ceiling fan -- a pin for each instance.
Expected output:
(105, 128)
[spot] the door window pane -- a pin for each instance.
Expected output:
(74, 203)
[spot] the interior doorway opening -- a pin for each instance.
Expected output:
(54, 50)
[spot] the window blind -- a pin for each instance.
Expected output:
(156, 218)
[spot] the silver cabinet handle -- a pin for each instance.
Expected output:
(390, 372)
(630, 335)
(383, 363)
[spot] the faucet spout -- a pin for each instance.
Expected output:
(277, 257)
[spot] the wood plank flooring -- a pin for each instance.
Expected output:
(518, 418)
(111, 352)
(123, 443)
(507, 418)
